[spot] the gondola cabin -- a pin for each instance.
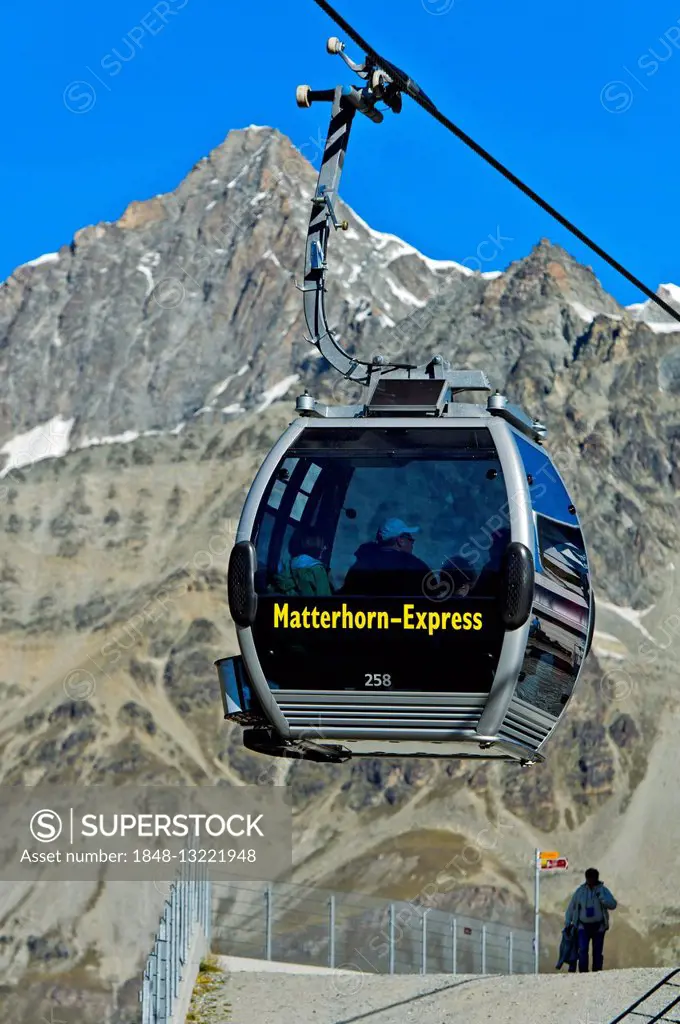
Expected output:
(409, 578)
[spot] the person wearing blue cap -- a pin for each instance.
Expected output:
(387, 565)
(395, 532)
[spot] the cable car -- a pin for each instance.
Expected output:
(409, 576)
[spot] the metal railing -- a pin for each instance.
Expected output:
(656, 1013)
(350, 931)
(183, 937)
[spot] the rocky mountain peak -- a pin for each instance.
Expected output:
(550, 274)
(186, 306)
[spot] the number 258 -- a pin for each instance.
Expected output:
(377, 680)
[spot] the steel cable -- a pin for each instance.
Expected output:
(412, 89)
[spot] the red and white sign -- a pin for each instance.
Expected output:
(555, 864)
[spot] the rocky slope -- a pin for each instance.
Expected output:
(149, 358)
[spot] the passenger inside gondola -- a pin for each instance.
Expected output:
(458, 577)
(478, 573)
(387, 565)
(304, 574)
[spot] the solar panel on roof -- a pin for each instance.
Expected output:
(408, 395)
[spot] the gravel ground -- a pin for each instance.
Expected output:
(286, 998)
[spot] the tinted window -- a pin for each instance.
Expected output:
(460, 440)
(549, 496)
(563, 556)
(378, 554)
(560, 616)
(444, 513)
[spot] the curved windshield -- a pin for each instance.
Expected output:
(378, 553)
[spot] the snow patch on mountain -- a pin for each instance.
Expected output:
(272, 257)
(277, 391)
(673, 290)
(589, 314)
(46, 441)
(668, 328)
(247, 165)
(48, 257)
(51, 440)
(394, 248)
(648, 312)
(125, 438)
(149, 277)
(403, 294)
(219, 389)
(630, 615)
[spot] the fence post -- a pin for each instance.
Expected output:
(423, 951)
(483, 949)
(454, 944)
(162, 971)
(171, 947)
(206, 906)
(170, 953)
(146, 1000)
(510, 953)
(205, 909)
(208, 911)
(391, 938)
(331, 930)
(172, 925)
(183, 918)
(175, 914)
(268, 922)
(537, 914)
(153, 984)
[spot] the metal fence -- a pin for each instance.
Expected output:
(350, 931)
(184, 928)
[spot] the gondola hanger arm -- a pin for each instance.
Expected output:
(346, 101)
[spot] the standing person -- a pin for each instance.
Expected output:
(588, 912)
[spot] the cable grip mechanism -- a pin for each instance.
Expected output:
(323, 198)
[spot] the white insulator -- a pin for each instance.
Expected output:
(302, 96)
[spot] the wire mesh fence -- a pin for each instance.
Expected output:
(188, 908)
(351, 931)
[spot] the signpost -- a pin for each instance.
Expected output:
(544, 860)
(555, 864)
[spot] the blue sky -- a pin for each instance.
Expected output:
(579, 99)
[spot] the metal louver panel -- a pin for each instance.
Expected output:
(525, 724)
(362, 711)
